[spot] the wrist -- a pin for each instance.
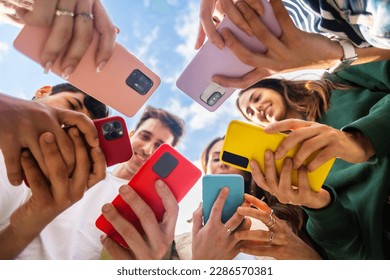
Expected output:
(348, 55)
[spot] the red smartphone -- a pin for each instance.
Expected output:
(195, 80)
(114, 139)
(166, 164)
(124, 83)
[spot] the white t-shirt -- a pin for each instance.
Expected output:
(72, 234)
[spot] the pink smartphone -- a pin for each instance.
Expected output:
(114, 139)
(166, 164)
(195, 80)
(124, 84)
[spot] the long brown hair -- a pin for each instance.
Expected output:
(308, 97)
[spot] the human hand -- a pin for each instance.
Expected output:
(212, 12)
(281, 186)
(294, 50)
(72, 24)
(279, 242)
(327, 141)
(158, 236)
(215, 234)
(22, 122)
(53, 194)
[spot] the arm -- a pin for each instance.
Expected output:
(158, 237)
(49, 199)
(23, 121)
(71, 32)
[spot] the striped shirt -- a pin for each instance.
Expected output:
(320, 17)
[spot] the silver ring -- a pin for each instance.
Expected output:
(228, 230)
(64, 13)
(85, 15)
(271, 221)
(295, 188)
(271, 237)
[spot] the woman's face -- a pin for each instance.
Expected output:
(263, 105)
(215, 165)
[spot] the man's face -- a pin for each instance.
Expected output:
(66, 100)
(145, 140)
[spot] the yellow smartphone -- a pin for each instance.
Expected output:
(245, 141)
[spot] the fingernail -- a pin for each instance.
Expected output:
(252, 165)
(101, 66)
(220, 45)
(47, 67)
(124, 189)
(76, 132)
(241, 7)
(67, 72)
(159, 184)
(106, 208)
(278, 155)
(48, 138)
(96, 140)
(26, 153)
(267, 155)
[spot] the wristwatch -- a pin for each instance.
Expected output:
(349, 56)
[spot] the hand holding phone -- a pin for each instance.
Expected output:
(167, 164)
(245, 141)
(124, 84)
(195, 80)
(212, 185)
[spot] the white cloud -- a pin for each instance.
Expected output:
(4, 48)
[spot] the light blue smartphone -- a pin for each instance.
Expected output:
(211, 186)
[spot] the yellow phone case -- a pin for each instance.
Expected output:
(245, 141)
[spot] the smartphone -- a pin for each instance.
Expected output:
(114, 139)
(195, 80)
(124, 84)
(166, 164)
(212, 185)
(245, 141)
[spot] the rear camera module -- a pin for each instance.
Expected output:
(139, 82)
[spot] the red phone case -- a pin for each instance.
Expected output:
(115, 143)
(166, 164)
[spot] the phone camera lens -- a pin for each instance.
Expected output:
(107, 127)
(117, 125)
(214, 98)
(113, 134)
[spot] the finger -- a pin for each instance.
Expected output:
(107, 31)
(253, 235)
(271, 174)
(284, 19)
(245, 225)
(236, 16)
(60, 34)
(42, 13)
(57, 170)
(256, 5)
(201, 37)
(206, 11)
(12, 162)
(82, 166)
(197, 220)
(321, 158)
(295, 138)
(243, 82)
(171, 207)
(258, 203)
(257, 214)
(98, 162)
(310, 146)
(234, 221)
(258, 176)
(116, 251)
(83, 123)
(216, 210)
(285, 184)
(37, 181)
(66, 148)
(81, 37)
(128, 232)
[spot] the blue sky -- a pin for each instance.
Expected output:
(162, 34)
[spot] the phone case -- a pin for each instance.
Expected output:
(114, 139)
(245, 141)
(166, 164)
(124, 84)
(195, 80)
(211, 186)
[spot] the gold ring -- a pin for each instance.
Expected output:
(85, 15)
(64, 13)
